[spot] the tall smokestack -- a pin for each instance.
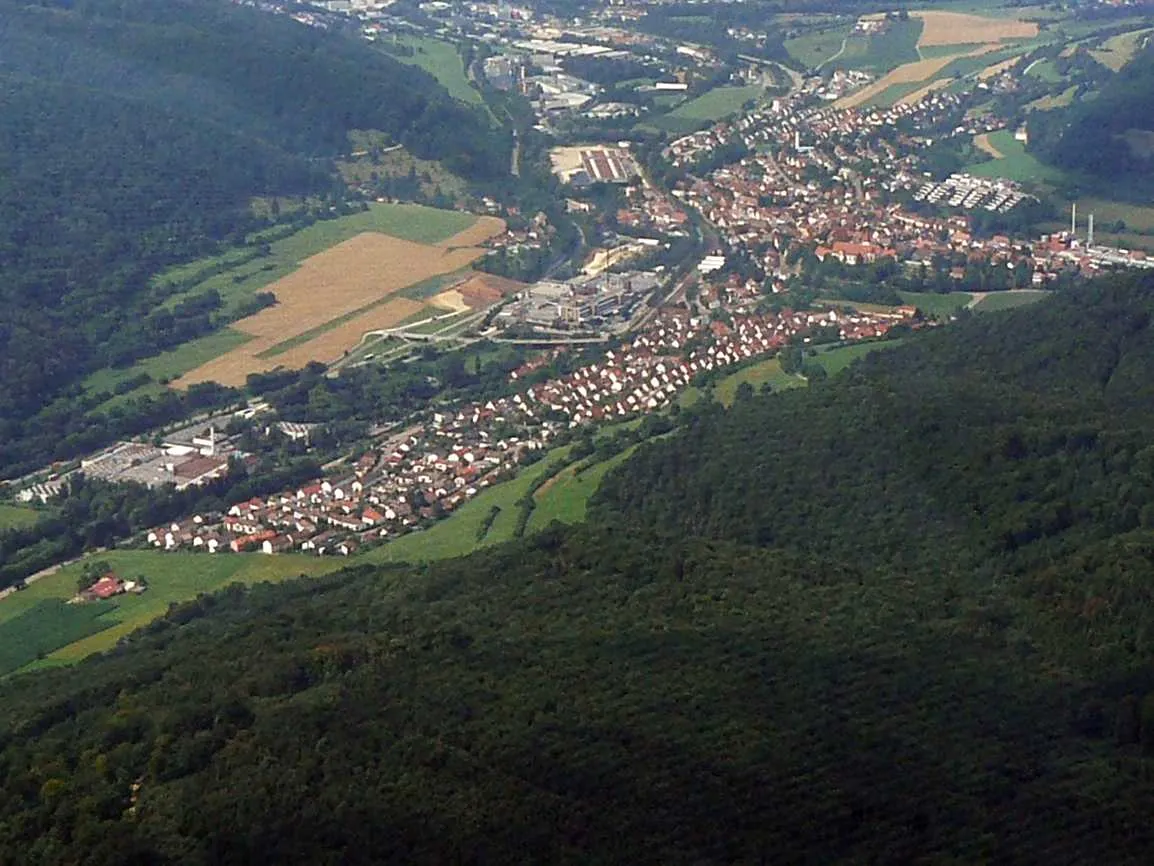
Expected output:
(1074, 220)
(1090, 232)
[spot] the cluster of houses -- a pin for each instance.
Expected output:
(825, 181)
(647, 207)
(391, 490)
(432, 468)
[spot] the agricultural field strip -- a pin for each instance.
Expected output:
(359, 283)
(973, 36)
(234, 275)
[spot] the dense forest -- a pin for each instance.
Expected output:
(134, 133)
(902, 616)
(1107, 137)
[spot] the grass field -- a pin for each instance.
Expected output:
(1047, 71)
(1016, 164)
(996, 301)
(171, 577)
(935, 305)
(884, 51)
(836, 359)
(767, 372)
(47, 626)
(1053, 100)
(165, 366)
(814, 49)
(1119, 50)
(18, 516)
(706, 109)
(376, 156)
(909, 91)
(566, 498)
(932, 52)
(441, 60)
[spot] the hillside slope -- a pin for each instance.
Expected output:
(899, 617)
(1108, 137)
(133, 134)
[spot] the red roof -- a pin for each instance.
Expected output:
(106, 587)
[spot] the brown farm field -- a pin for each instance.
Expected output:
(945, 29)
(958, 28)
(325, 306)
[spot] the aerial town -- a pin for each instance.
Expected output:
(768, 194)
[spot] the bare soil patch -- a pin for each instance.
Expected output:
(482, 290)
(450, 300)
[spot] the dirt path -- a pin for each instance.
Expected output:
(982, 143)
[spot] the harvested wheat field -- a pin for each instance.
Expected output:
(347, 286)
(348, 277)
(484, 228)
(958, 28)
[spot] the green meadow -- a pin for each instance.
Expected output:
(18, 516)
(1015, 163)
(441, 60)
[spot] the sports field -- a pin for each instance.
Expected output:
(334, 297)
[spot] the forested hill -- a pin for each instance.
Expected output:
(1010, 441)
(1109, 136)
(903, 616)
(133, 134)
